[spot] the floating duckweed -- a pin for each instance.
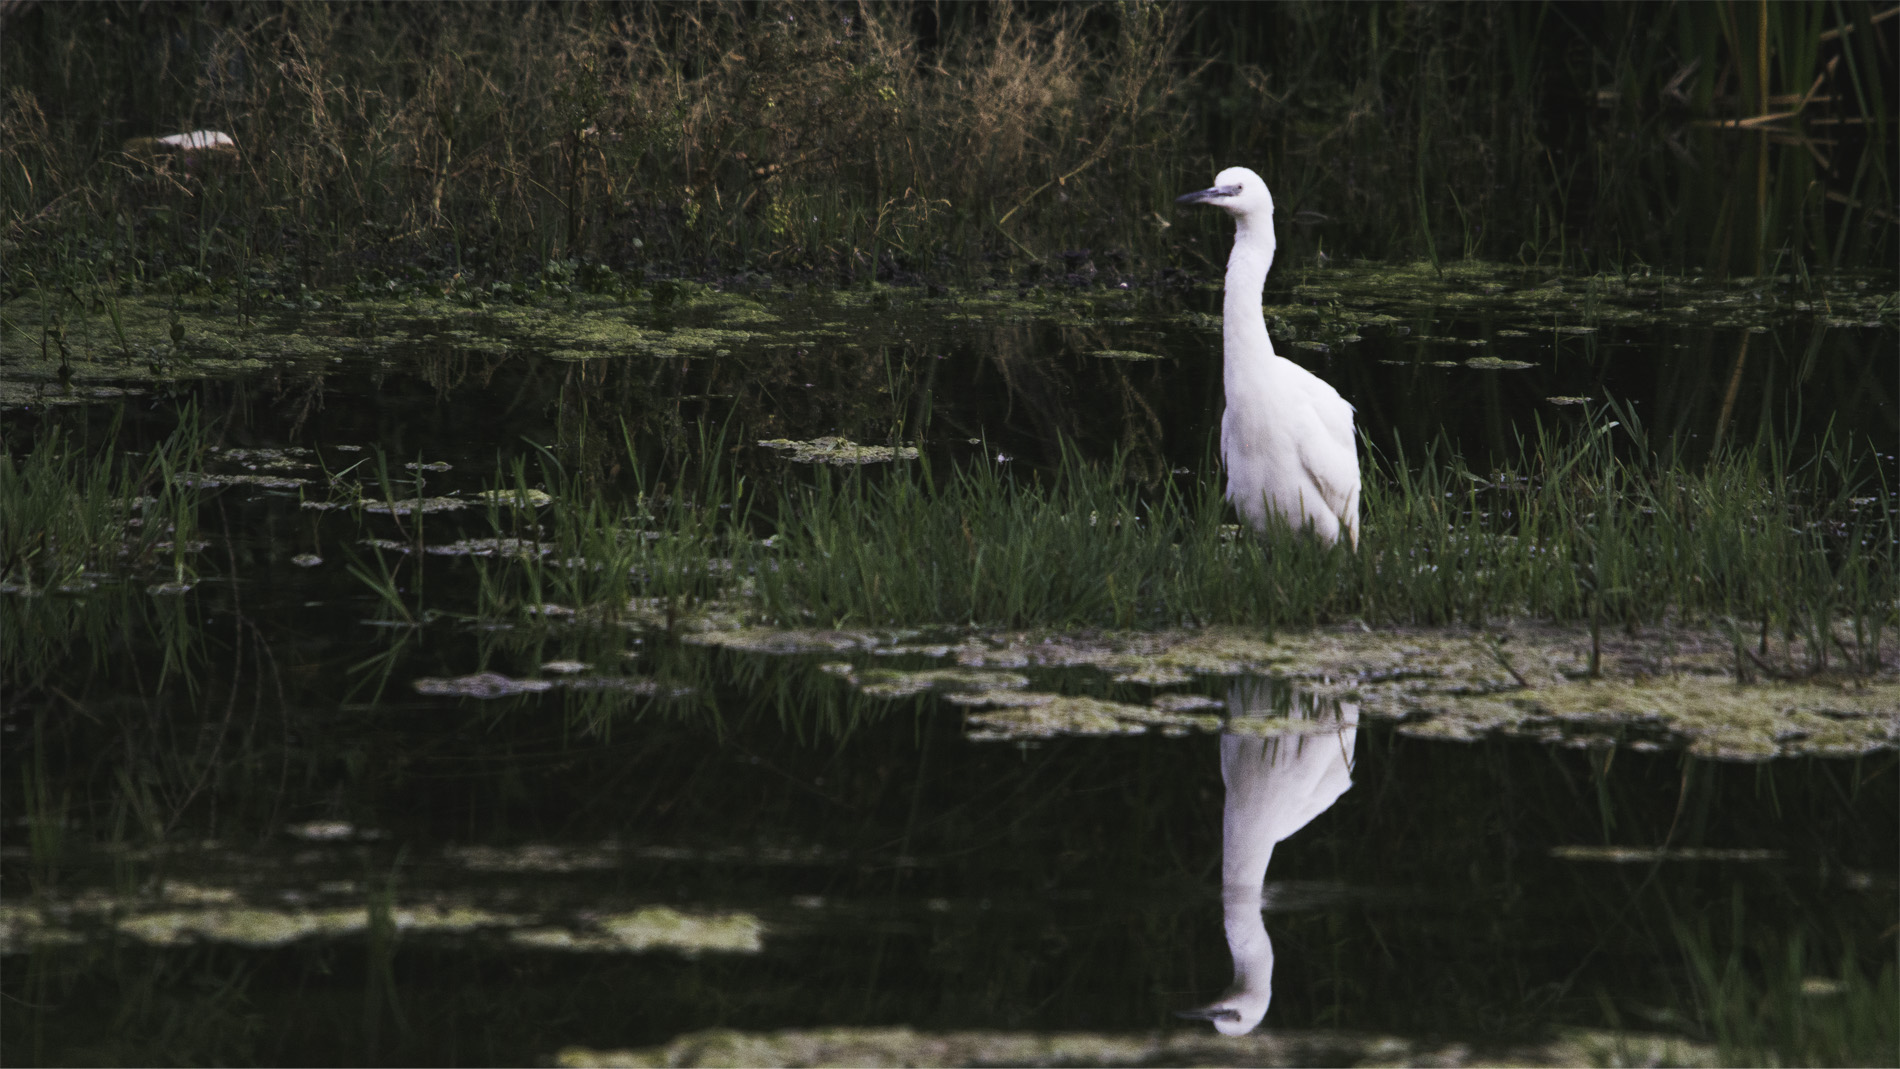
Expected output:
(1059, 715)
(204, 481)
(495, 685)
(1268, 1047)
(1270, 726)
(1492, 363)
(529, 498)
(773, 640)
(490, 547)
(1156, 676)
(1186, 703)
(1562, 399)
(534, 857)
(1720, 719)
(654, 928)
(481, 685)
(250, 927)
(1529, 681)
(323, 831)
(26, 927)
(1128, 354)
(840, 451)
(413, 505)
(890, 683)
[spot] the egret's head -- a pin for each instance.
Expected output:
(1237, 189)
(1237, 1014)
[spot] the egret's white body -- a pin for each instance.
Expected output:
(1286, 437)
(1275, 785)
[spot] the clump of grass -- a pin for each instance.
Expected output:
(70, 515)
(74, 519)
(1577, 527)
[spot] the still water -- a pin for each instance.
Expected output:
(259, 820)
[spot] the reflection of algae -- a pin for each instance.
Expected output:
(654, 928)
(1528, 681)
(1277, 1047)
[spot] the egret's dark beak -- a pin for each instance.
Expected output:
(1205, 195)
(1216, 1012)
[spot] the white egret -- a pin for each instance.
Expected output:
(1275, 785)
(1286, 437)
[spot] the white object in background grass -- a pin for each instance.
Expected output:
(1286, 437)
(201, 141)
(1276, 784)
(192, 146)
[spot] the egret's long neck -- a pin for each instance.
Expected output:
(1244, 325)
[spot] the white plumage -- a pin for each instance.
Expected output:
(1286, 438)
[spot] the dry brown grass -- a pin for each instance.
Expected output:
(786, 134)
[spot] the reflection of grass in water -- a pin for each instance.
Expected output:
(1774, 1000)
(1593, 527)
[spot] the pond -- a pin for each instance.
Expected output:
(289, 787)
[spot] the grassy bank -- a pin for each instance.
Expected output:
(1580, 526)
(937, 142)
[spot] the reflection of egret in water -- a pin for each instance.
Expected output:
(1275, 785)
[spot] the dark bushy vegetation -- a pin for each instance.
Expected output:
(937, 142)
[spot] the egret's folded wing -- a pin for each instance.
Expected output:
(1331, 457)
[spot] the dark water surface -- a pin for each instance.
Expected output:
(243, 825)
